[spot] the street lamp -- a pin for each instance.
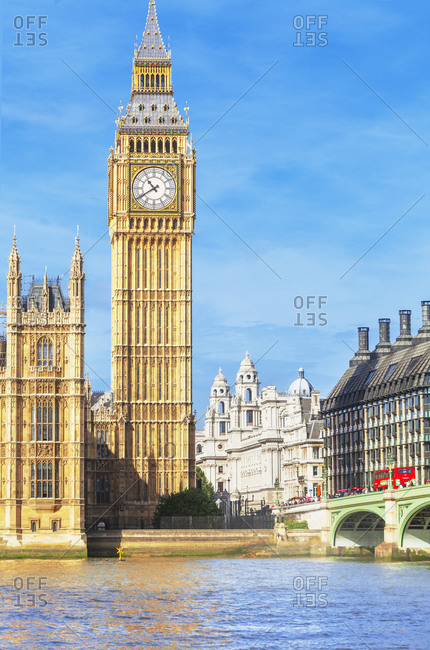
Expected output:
(277, 495)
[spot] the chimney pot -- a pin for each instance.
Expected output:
(384, 330)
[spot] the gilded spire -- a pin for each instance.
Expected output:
(152, 46)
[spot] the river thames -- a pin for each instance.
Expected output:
(176, 603)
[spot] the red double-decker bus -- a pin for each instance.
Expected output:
(396, 476)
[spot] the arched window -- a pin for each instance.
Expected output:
(215, 392)
(153, 108)
(161, 120)
(174, 120)
(147, 120)
(147, 80)
(153, 146)
(142, 80)
(145, 146)
(141, 107)
(160, 143)
(157, 81)
(152, 81)
(45, 353)
(249, 417)
(167, 146)
(42, 486)
(166, 108)
(139, 146)
(102, 443)
(221, 407)
(131, 146)
(248, 394)
(199, 449)
(102, 489)
(133, 120)
(175, 146)
(162, 82)
(44, 421)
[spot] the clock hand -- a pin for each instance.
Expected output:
(151, 190)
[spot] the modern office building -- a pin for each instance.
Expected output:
(379, 411)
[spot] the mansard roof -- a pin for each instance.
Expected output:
(399, 371)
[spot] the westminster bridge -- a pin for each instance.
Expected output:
(384, 521)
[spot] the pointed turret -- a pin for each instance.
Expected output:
(14, 277)
(77, 279)
(77, 266)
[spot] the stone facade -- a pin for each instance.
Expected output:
(254, 437)
(70, 459)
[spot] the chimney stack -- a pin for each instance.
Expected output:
(405, 336)
(384, 345)
(426, 315)
(363, 339)
(363, 353)
(424, 331)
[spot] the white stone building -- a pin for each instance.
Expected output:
(254, 437)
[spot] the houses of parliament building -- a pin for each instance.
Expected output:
(70, 459)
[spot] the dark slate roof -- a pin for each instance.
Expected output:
(399, 371)
(35, 295)
(161, 101)
(152, 46)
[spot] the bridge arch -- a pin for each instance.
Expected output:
(414, 531)
(359, 527)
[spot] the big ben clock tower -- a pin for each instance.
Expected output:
(151, 222)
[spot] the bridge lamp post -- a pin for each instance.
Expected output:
(390, 465)
(324, 475)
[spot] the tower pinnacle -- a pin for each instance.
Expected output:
(152, 46)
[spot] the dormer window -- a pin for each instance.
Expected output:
(153, 108)
(147, 120)
(174, 120)
(166, 108)
(161, 120)
(133, 120)
(140, 107)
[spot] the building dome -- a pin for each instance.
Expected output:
(220, 386)
(301, 386)
(247, 371)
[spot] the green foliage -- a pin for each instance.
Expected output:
(203, 484)
(192, 502)
(290, 524)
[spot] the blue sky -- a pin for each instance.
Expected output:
(310, 167)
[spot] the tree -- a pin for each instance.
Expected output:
(192, 502)
(203, 483)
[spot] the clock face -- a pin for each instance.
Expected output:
(154, 188)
